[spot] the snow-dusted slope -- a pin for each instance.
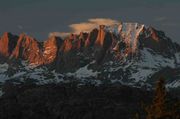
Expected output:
(131, 71)
(130, 53)
(130, 33)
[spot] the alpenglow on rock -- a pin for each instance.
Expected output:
(129, 53)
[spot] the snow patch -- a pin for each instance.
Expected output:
(3, 78)
(142, 75)
(18, 74)
(130, 33)
(149, 64)
(174, 84)
(1, 93)
(3, 67)
(84, 72)
(177, 56)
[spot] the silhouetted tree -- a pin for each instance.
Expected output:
(160, 109)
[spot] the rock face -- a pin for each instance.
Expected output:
(123, 40)
(51, 47)
(157, 41)
(128, 52)
(7, 44)
(27, 48)
(101, 36)
(130, 33)
(92, 36)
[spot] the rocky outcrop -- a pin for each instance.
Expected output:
(157, 41)
(130, 33)
(27, 48)
(130, 53)
(100, 44)
(101, 36)
(92, 37)
(153, 33)
(7, 44)
(51, 47)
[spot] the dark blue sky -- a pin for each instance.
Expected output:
(40, 17)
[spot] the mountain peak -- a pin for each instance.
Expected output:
(101, 35)
(51, 47)
(125, 51)
(130, 33)
(123, 38)
(7, 43)
(153, 33)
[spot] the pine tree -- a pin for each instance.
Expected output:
(158, 109)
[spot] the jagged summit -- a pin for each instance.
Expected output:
(7, 43)
(126, 38)
(28, 48)
(126, 52)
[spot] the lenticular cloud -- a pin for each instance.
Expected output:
(90, 24)
(86, 26)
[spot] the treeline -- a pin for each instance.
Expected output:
(162, 106)
(74, 101)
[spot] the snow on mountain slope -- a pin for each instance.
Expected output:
(174, 84)
(177, 56)
(130, 72)
(84, 72)
(129, 53)
(149, 64)
(3, 67)
(3, 78)
(130, 33)
(25, 73)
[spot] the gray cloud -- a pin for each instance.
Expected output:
(160, 19)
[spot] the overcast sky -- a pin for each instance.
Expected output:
(40, 17)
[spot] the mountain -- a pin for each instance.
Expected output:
(128, 53)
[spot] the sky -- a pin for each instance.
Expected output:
(39, 18)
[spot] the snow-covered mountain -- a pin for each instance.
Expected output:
(127, 53)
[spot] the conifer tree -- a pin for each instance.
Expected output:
(160, 109)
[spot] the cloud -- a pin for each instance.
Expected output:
(102, 21)
(85, 26)
(160, 19)
(59, 34)
(91, 24)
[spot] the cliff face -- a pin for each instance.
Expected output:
(27, 48)
(124, 40)
(51, 47)
(129, 52)
(92, 36)
(7, 44)
(101, 36)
